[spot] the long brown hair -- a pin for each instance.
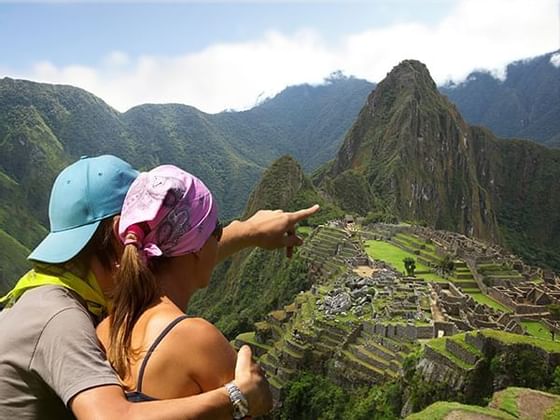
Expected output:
(134, 291)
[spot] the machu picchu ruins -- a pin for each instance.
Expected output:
(364, 314)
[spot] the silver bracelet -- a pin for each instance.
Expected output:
(238, 400)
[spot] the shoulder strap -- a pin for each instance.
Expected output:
(160, 337)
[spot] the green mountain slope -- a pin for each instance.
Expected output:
(45, 127)
(410, 151)
(252, 283)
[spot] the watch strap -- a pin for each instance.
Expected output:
(238, 401)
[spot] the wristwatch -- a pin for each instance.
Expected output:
(238, 400)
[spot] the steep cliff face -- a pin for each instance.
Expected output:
(414, 150)
(521, 179)
(416, 156)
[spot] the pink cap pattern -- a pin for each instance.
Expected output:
(169, 211)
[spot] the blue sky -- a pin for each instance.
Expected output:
(69, 33)
(221, 55)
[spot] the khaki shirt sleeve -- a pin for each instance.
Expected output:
(68, 356)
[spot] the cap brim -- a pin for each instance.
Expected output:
(59, 247)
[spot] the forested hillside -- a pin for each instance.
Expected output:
(45, 127)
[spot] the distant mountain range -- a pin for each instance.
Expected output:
(525, 105)
(45, 127)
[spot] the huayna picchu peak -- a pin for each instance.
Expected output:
(411, 153)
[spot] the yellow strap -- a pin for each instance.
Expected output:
(87, 288)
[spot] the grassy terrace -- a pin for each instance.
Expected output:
(487, 300)
(440, 410)
(420, 244)
(460, 339)
(507, 400)
(304, 230)
(249, 338)
(536, 329)
(438, 344)
(393, 255)
(509, 338)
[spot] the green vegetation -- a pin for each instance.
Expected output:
(13, 261)
(46, 127)
(487, 300)
(508, 338)
(438, 344)
(304, 230)
(439, 411)
(311, 396)
(536, 329)
(553, 413)
(393, 255)
(409, 265)
(508, 401)
(244, 290)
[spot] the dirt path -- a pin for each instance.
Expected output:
(434, 308)
(533, 404)
(464, 415)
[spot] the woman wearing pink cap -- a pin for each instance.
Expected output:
(171, 233)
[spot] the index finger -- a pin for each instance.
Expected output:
(299, 215)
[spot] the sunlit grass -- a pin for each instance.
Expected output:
(393, 255)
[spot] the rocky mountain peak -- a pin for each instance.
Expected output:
(409, 80)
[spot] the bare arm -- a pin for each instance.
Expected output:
(268, 229)
(109, 402)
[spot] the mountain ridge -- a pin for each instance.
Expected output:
(411, 150)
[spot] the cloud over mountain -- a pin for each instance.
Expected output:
(477, 33)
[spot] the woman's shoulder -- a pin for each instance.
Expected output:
(198, 332)
(195, 350)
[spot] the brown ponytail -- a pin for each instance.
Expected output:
(134, 291)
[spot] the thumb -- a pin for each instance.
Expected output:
(244, 359)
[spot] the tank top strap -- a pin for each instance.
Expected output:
(156, 342)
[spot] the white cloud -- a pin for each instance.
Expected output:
(477, 34)
(555, 60)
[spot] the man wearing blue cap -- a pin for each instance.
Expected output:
(50, 359)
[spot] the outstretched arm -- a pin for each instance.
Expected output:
(268, 229)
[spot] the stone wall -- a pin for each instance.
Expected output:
(404, 332)
(440, 359)
(433, 371)
(501, 297)
(521, 308)
(448, 328)
(459, 351)
(476, 340)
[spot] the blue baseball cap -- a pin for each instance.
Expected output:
(83, 194)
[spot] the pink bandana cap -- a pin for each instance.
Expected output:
(169, 212)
